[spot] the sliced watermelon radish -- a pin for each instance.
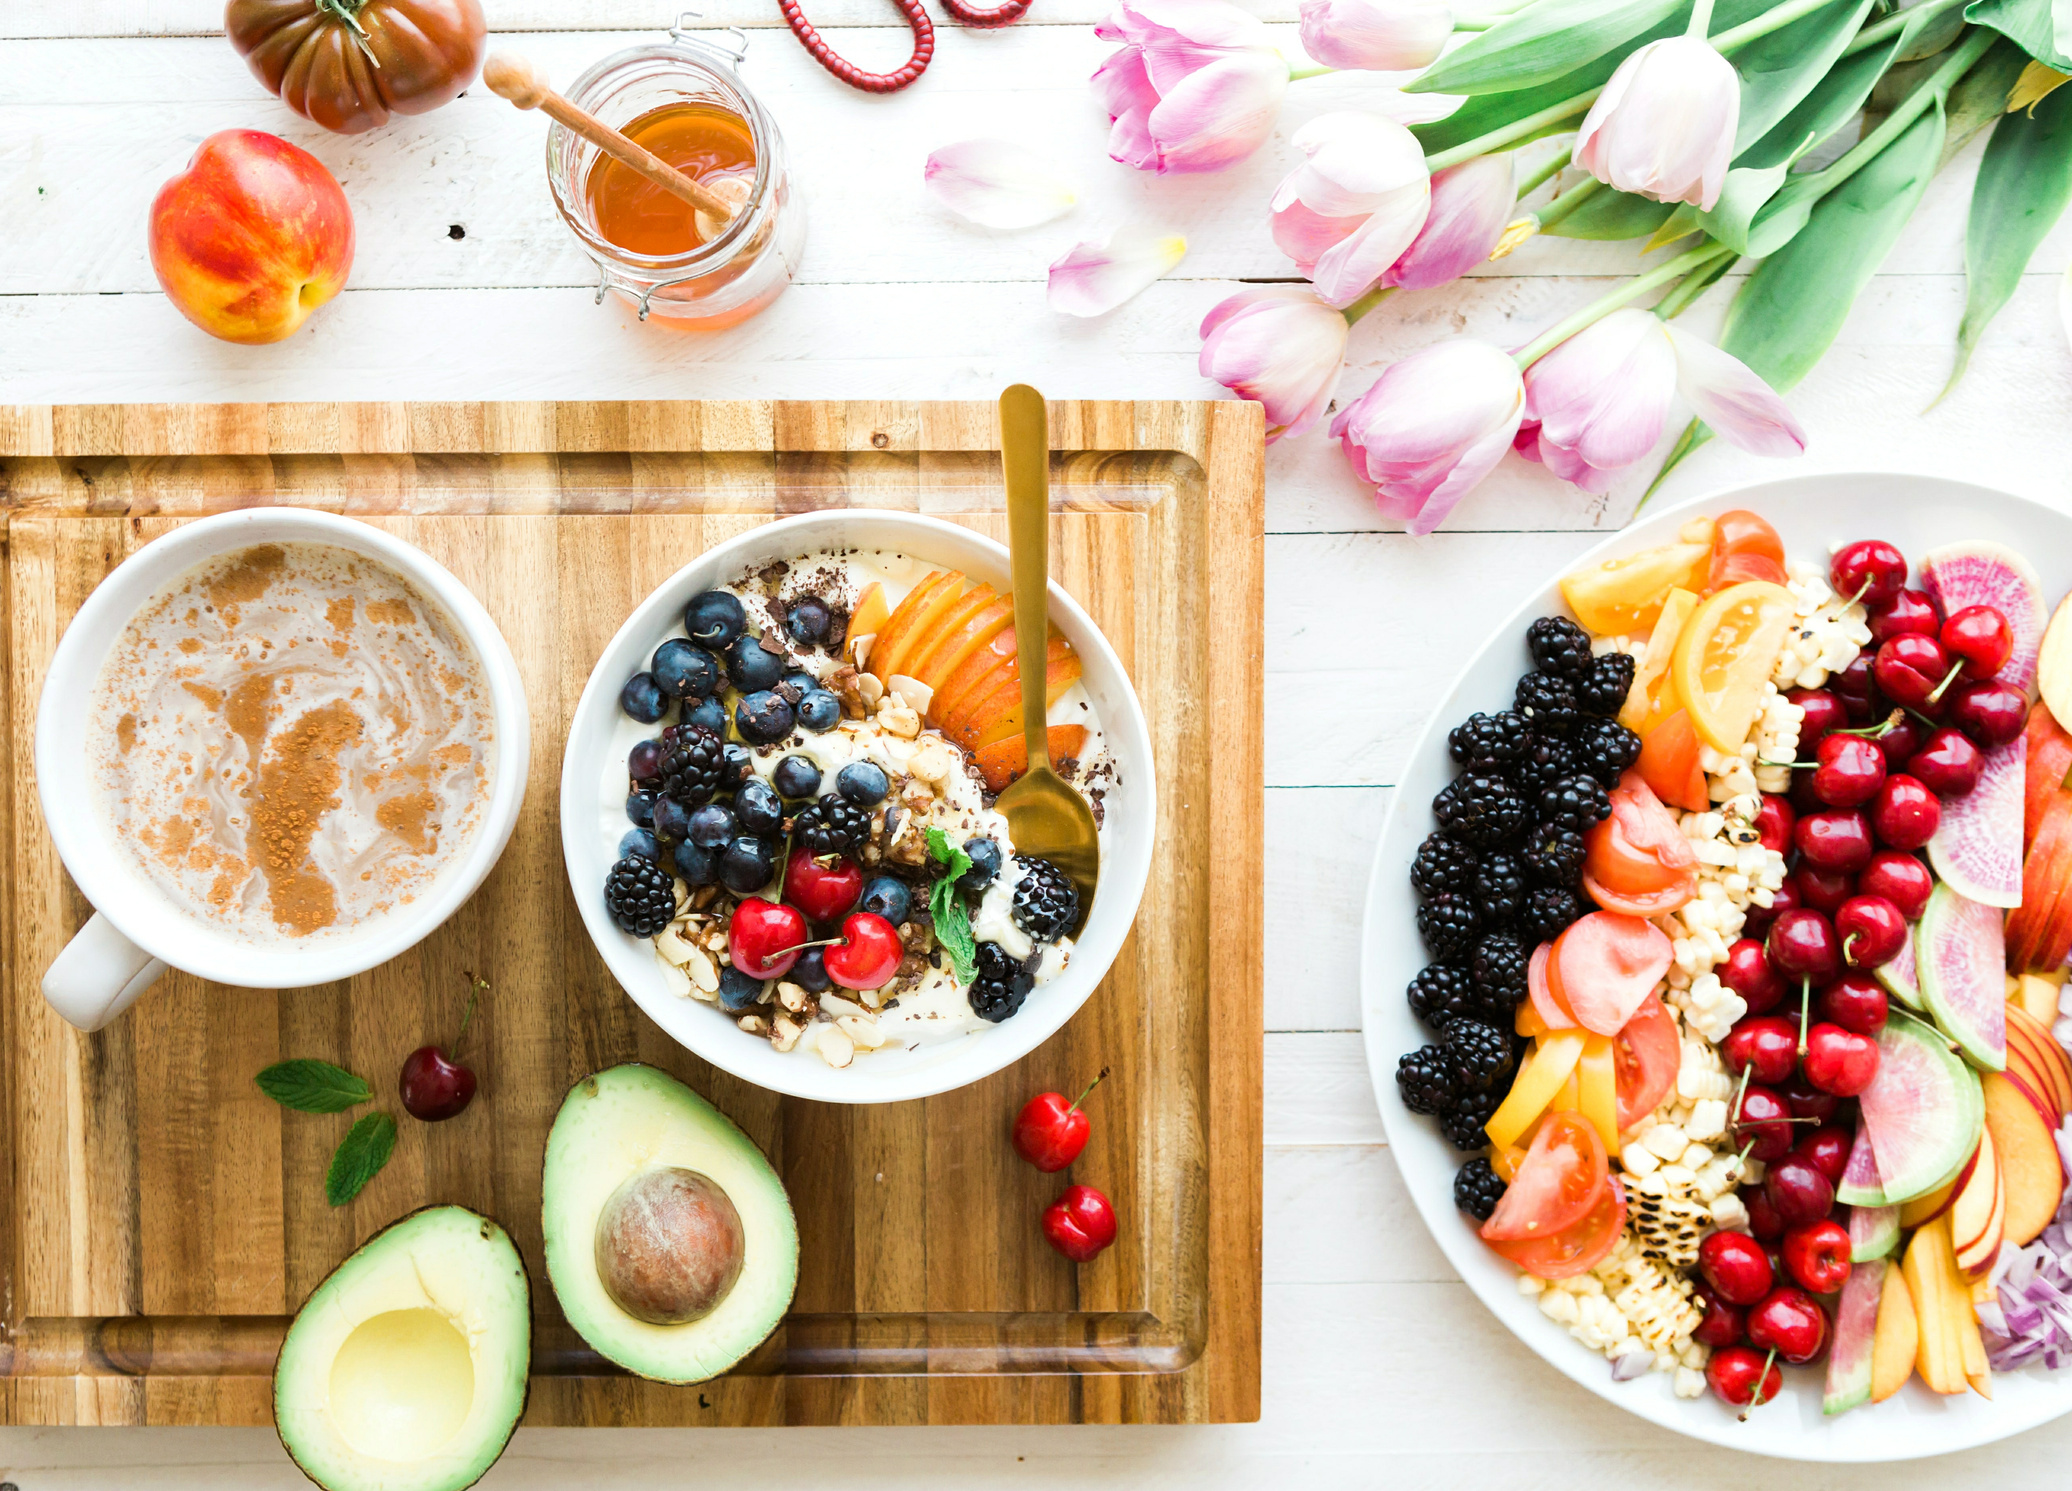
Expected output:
(1860, 1185)
(1962, 961)
(1856, 1324)
(1899, 978)
(1873, 1232)
(1607, 963)
(1980, 573)
(1923, 1110)
(1978, 845)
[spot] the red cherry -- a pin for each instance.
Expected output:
(1761, 918)
(1789, 1322)
(824, 891)
(1774, 821)
(1763, 1220)
(1904, 814)
(1722, 1323)
(868, 954)
(1948, 763)
(1900, 736)
(1850, 772)
(1853, 687)
(1872, 931)
(1840, 1061)
(1802, 945)
(1807, 1101)
(1742, 1377)
(1826, 1149)
(1900, 879)
(1825, 891)
(1767, 1043)
(1763, 1123)
(1991, 713)
(1910, 668)
(1981, 638)
(1855, 1001)
(1817, 1255)
(1909, 611)
(1080, 1224)
(435, 1086)
(1870, 571)
(1838, 838)
(1823, 712)
(1049, 1132)
(1748, 973)
(1799, 1191)
(1736, 1267)
(764, 937)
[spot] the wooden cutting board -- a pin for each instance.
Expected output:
(159, 1218)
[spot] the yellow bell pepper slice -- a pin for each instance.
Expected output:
(1597, 1078)
(1505, 1159)
(1653, 689)
(1536, 1084)
(1527, 1021)
(1569, 1099)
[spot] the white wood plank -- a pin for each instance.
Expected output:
(1319, 848)
(1317, 1092)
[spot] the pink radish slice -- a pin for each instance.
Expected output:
(1981, 573)
(1860, 1186)
(1977, 848)
(1549, 1009)
(1608, 964)
(1856, 1321)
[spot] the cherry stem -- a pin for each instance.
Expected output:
(797, 947)
(1740, 1094)
(1948, 679)
(1089, 1088)
(1805, 1008)
(476, 984)
(1861, 591)
(1760, 1378)
(1874, 732)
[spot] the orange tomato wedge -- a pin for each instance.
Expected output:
(1648, 1053)
(1609, 962)
(1623, 597)
(1745, 543)
(1738, 567)
(1638, 860)
(1670, 764)
(1576, 1249)
(1556, 1185)
(1546, 1001)
(1724, 658)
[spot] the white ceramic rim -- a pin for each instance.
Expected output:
(1915, 1423)
(1127, 835)
(142, 913)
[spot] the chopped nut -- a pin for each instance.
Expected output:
(754, 1024)
(704, 896)
(792, 997)
(863, 1031)
(916, 937)
(835, 1005)
(835, 1047)
(673, 978)
(785, 1032)
(918, 796)
(868, 686)
(931, 763)
(673, 947)
(898, 719)
(704, 975)
(842, 684)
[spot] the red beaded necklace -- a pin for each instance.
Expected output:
(924, 40)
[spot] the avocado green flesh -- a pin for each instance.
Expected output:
(615, 1125)
(406, 1369)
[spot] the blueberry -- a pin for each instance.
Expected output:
(736, 766)
(695, 864)
(888, 898)
(738, 993)
(985, 864)
(715, 619)
(644, 761)
(796, 776)
(863, 783)
(799, 683)
(639, 841)
(763, 717)
(672, 820)
(709, 714)
(759, 808)
(809, 620)
(820, 711)
(751, 666)
(643, 698)
(685, 669)
(746, 865)
(810, 972)
(640, 808)
(712, 825)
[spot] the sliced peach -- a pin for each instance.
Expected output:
(907, 620)
(1061, 676)
(927, 646)
(1004, 760)
(956, 648)
(869, 615)
(970, 681)
(2029, 1164)
(976, 720)
(1896, 1339)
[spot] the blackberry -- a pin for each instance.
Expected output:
(1470, 1112)
(1484, 739)
(1448, 924)
(1442, 865)
(1558, 646)
(1499, 888)
(640, 895)
(1001, 985)
(1440, 993)
(831, 826)
(692, 765)
(1476, 1189)
(1604, 749)
(1549, 702)
(1547, 759)
(1483, 809)
(1603, 687)
(1045, 904)
(1576, 802)
(1426, 1080)
(1500, 962)
(1549, 910)
(1481, 1055)
(1553, 855)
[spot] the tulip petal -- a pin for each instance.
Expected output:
(1351, 267)
(1219, 114)
(1728, 395)
(1376, 35)
(1432, 426)
(1280, 345)
(997, 184)
(1092, 278)
(1602, 397)
(1471, 206)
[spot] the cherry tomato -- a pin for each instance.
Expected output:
(1577, 1249)
(1744, 547)
(1557, 1183)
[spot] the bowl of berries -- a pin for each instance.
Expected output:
(778, 809)
(1713, 962)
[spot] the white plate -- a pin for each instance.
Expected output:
(1813, 514)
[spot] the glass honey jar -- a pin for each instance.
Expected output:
(684, 102)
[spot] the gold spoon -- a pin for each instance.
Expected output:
(1046, 816)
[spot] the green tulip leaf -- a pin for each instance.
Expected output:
(2036, 26)
(1610, 215)
(1779, 70)
(1981, 95)
(1541, 43)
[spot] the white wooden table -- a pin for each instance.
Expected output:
(1380, 1368)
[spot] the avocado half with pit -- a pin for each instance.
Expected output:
(406, 1369)
(671, 1242)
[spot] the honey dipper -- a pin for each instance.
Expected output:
(516, 79)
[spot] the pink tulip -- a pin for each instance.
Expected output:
(1278, 344)
(1432, 426)
(1349, 211)
(1664, 125)
(1196, 85)
(1375, 35)
(1598, 402)
(1471, 206)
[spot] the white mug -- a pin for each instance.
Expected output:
(136, 932)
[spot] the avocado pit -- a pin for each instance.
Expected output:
(669, 1246)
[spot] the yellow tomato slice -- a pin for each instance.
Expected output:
(1597, 1081)
(1724, 658)
(1536, 1084)
(1651, 682)
(1622, 597)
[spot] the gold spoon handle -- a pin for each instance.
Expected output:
(1025, 459)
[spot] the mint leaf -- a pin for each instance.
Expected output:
(946, 907)
(311, 1086)
(944, 852)
(361, 1154)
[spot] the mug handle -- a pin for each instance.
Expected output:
(98, 975)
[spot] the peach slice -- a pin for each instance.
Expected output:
(936, 590)
(999, 713)
(920, 658)
(1927, 1207)
(2035, 1052)
(2028, 1153)
(1979, 1209)
(1004, 760)
(957, 648)
(969, 681)
(869, 615)
(1896, 1339)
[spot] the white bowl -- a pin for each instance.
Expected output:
(593, 821)
(1812, 513)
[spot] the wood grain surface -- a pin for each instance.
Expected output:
(164, 1216)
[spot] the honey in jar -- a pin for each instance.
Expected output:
(707, 143)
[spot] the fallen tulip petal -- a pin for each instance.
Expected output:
(1093, 278)
(998, 184)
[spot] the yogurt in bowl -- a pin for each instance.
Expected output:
(777, 810)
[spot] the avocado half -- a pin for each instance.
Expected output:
(638, 1164)
(406, 1369)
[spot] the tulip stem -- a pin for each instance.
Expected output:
(1763, 25)
(1694, 284)
(1701, 19)
(1545, 174)
(1909, 109)
(1630, 291)
(1516, 132)
(1558, 209)
(1297, 74)
(1366, 303)
(1885, 30)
